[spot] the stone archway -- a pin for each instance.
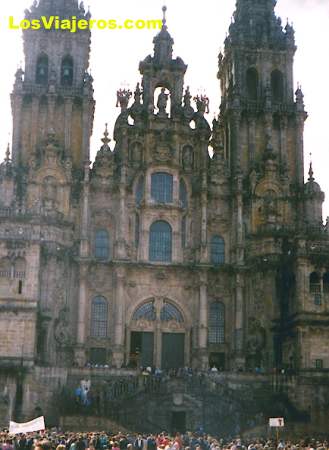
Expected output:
(157, 335)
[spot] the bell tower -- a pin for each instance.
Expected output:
(54, 93)
(258, 109)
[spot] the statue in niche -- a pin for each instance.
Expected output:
(136, 152)
(270, 206)
(162, 102)
(61, 330)
(187, 157)
(49, 193)
(256, 343)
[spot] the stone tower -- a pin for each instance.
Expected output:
(54, 93)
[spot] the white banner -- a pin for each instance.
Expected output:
(37, 424)
(277, 422)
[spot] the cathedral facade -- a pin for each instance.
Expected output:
(188, 244)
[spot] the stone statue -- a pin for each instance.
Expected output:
(162, 101)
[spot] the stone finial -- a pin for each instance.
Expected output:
(164, 20)
(106, 140)
(123, 97)
(7, 157)
(310, 170)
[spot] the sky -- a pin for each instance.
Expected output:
(199, 29)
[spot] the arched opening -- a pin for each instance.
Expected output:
(183, 231)
(217, 250)
(252, 83)
(41, 74)
(160, 242)
(157, 320)
(67, 71)
(162, 187)
(277, 86)
(315, 283)
(19, 268)
(162, 101)
(5, 268)
(99, 318)
(216, 323)
(102, 244)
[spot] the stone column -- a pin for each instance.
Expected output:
(283, 141)
(239, 322)
(87, 115)
(80, 353)
(68, 123)
(203, 322)
(252, 140)
(16, 102)
(119, 329)
(204, 207)
(34, 123)
(84, 237)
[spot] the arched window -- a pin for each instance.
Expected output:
(102, 244)
(170, 312)
(325, 281)
(99, 317)
(252, 83)
(19, 268)
(146, 312)
(137, 230)
(67, 71)
(162, 187)
(277, 85)
(217, 250)
(139, 191)
(183, 232)
(160, 242)
(315, 283)
(41, 75)
(183, 197)
(216, 323)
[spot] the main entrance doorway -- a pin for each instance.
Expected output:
(217, 360)
(141, 348)
(178, 422)
(172, 350)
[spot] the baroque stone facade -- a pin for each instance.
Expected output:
(158, 253)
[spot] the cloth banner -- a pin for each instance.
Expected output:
(37, 424)
(277, 422)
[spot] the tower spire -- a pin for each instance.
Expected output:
(310, 171)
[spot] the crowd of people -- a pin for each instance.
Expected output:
(55, 440)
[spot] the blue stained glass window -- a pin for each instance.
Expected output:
(170, 312)
(216, 323)
(99, 317)
(139, 191)
(160, 242)
(145, 311)
(183, 194)
(162, 187)
(102, 244)
(217, 250)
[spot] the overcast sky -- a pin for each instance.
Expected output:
(198, 28)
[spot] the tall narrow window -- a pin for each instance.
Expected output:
(183, 194)
(315, 283)
(160, 242)
(217, 250)
(277, 87)
(102, 244)
(139, 194)
(162, 187)
(325, 280)
(137, 230)
(183, 231)
(41, 75)
(252, 83)
(216, 323)
(99, 317)
(67, 71)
